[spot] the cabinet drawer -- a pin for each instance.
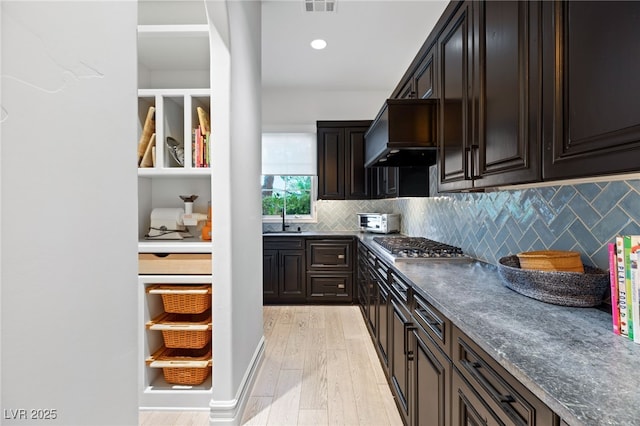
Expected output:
(330, 254)
(286, 243)
(329, 286)
(174, 263)
(509, 399)
(433, 322)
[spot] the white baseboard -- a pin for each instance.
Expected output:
(230, 412)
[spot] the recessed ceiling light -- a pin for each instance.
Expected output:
(318, 44)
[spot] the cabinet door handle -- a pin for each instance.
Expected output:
(467, 163)
(408, 350)
(472, 150)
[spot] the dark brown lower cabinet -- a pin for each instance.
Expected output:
(500, 398)
(326, 276)
(430, 382)
(362, 279)
(400, 357)
(372, 301)
(384, 304)
(330, 269)
(329, 287)
(283, 270)
(468, 408)
(438, 375)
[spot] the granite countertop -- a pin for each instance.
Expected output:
(312, 234)
(568, 357)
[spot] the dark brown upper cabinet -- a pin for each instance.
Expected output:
(507, 63)
(421, 83)
(341, 153)
(531, 91)
(489, 96)
(455, 122)
(591, 88)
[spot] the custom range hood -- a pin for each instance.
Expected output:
(403, 134)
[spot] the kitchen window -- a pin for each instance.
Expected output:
(288, 178)
(293, 194)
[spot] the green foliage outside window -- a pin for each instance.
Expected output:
(293, 193)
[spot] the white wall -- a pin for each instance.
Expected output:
(68, 225)
(246, 157)
(298, 109)
(237, 228)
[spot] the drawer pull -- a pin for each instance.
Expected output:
(341, 286)
(428, 318)
(474, 369)
(341, 256)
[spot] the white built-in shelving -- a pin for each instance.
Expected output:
(155, 391)
(174, 78)
(176, 117)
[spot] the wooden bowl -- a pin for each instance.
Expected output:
(551, 260)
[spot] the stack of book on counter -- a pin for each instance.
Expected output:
(625, 286)
(200, 141)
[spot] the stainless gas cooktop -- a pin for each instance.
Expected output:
(407, 248)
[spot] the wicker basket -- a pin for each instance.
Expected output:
(183, 366)
(183, 299)
(558, 288)
(551, 260)
(188, 331)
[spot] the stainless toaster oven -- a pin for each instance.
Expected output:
(381, 223)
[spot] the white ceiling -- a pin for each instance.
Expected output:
(370, 42)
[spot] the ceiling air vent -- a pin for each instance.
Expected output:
(320, 5)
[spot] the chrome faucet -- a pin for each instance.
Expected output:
(284, 227)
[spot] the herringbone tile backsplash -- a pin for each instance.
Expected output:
(340, 215)
(582, 217)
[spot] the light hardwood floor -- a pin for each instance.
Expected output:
(319, 368)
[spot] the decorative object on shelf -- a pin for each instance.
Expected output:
(148, 129)
(551, 260)
(170, 223)
(176, 149)
(206, 228)
(559, 288)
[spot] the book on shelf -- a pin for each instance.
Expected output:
(201, 140)
(613, 278)
(203, 119)
(622, 288)
(632, 300)
(200, 149)
(625, 284)
(629, 241)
